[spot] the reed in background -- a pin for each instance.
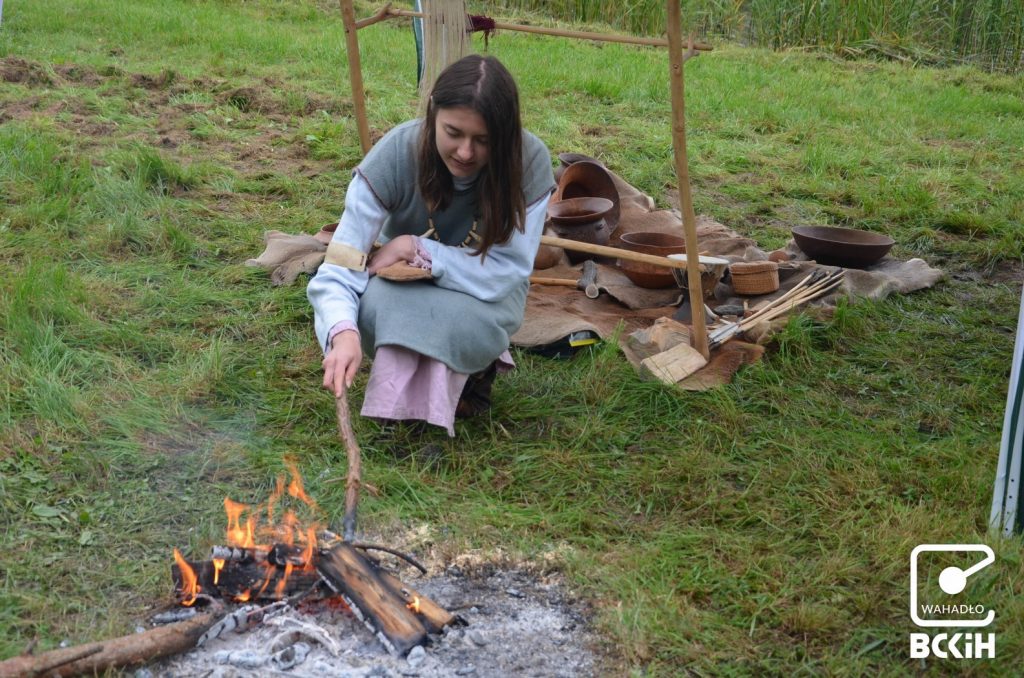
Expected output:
(988, 33)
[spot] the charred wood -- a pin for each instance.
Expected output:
(348, 573)
(261, 581)
(279, 554)
(431, 615)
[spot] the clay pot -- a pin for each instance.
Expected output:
(547, 256)
(583, 220)
(583, 179)
(650, 276)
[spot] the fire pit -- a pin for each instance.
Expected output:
(507, 611)
(270, 555)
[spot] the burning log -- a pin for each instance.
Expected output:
(135, 649)
(433, 616)
(383, 610)
(240, 580)
(278, 554)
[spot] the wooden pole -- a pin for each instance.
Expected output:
(676, 59)
(387, 12)
(355, 72)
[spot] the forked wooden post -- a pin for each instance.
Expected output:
(676, 59)
(355, 72)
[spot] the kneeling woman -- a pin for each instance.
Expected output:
(463, 194)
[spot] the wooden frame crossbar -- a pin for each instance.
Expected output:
(677, 58)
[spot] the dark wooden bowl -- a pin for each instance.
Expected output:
(842, 246)
(575, 211)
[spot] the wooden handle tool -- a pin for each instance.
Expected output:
(606, 251)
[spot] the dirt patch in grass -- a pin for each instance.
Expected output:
(165, 104)
(599, 130)
(21, 109)
(1008, 272)
(91, 126)
(245, 99)
(16, 69)
(159, 81)
(83, 75)
(187, 439)
(958, 144)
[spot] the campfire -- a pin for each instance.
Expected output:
(268, 551)
(271, 556)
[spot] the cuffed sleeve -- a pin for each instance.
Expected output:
(334, 291)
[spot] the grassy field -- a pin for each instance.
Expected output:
(763, 527)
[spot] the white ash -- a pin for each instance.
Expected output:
(517, 626)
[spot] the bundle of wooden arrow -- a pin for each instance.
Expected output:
(816, 285)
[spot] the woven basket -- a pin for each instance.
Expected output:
(755, 277)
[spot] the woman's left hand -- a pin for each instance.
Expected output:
(402, 248)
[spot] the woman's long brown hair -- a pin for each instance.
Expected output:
(484, 85)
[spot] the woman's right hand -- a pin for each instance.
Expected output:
(342, 362)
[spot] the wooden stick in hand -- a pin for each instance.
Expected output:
(348, 437)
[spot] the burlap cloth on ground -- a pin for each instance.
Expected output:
(553, 313)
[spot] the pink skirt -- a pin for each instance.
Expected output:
(408, 385)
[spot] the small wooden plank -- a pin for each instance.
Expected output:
(673, 365)
(664, 334)
(349, 573)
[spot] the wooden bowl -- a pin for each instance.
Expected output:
(842, 246)
(650, 276)
(569, 158)
(575, 211)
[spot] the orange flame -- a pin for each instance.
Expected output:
(307, 553)
(275, 497)
(295, 487)
(218, 565)
(286, 531)
(244, 596)
(236, 534)
(279, 589)
(189, 583)
(414, 605)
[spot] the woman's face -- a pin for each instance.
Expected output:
(461, 140)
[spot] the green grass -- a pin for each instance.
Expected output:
(763, 527)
